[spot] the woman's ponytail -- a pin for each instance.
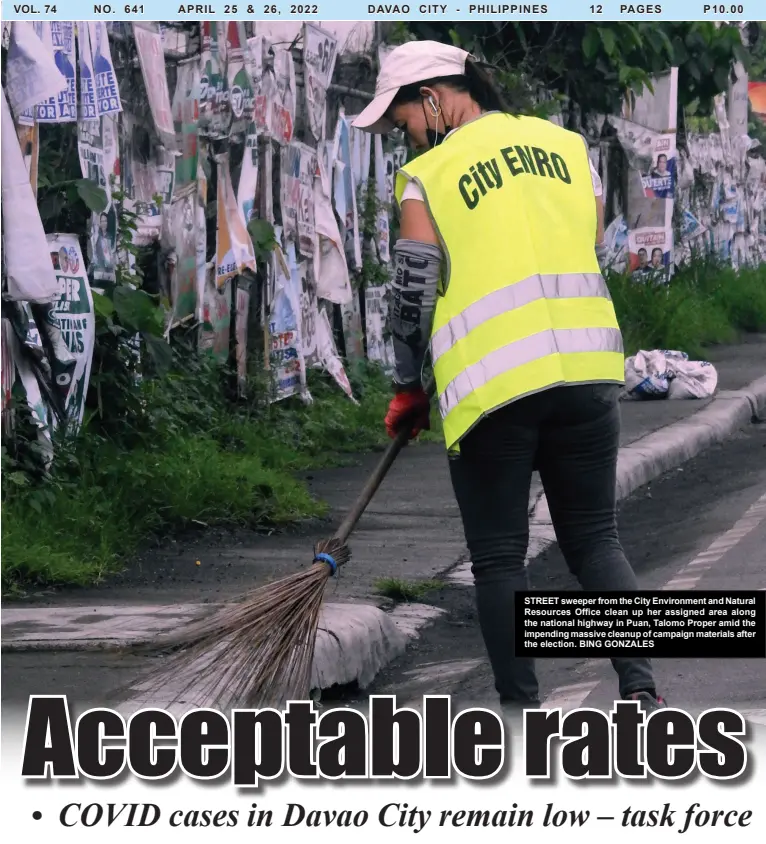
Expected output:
(483, 89)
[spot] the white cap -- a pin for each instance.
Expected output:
(408, 64)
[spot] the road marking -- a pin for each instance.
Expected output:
(692, 572)
(688, 577)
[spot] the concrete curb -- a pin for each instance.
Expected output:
(354, 641)
(651, 456)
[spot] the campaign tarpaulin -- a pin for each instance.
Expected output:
(241, 314)
(286, 352)
(215, 331)
(103, 246)
(248, 176)
(380, 346)
(234, 247)
(107, 89)
(330, 268)
(63, 107)
(185, 107)
(182, 228)
(214, 112)
(344, 193)
(152, 59)
(70, 325)
(241, 95)
(88, 106)
(141, 184)
(31, 72)
(28, 269)
(319, 53)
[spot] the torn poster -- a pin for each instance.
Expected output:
(319, 54)
(241, 315)
(152, 60)
(215, 331)
(344, 193)
(286, 357)
(380, 345)
(234, 247)
(185, 116)
(25, 253)
(329, 355)
(183, 239)
(62, 108)
(31, 72)
(70, 326)
(330, 269)
(248, 176)
(214, 113)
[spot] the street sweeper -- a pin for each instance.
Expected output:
(497, 274)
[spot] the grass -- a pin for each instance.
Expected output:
(406, 590)
(216, 467)
(704, 304)
(199, 459)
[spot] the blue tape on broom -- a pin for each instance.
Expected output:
(326, 558)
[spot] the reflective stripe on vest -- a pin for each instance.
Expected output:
(520, 352)
(524, 306)
(568, 286)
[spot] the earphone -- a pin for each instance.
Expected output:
(434, 107)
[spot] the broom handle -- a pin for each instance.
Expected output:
(376, 478)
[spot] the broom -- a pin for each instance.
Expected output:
(260, 653)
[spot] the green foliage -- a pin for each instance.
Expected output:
(596, 64)
(262, 235)
(406, 590)
(705, 303)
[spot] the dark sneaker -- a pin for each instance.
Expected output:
(647, 702)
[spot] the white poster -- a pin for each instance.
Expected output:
(152, 59)
(31, 72)
(106, 87)
(63, 107)
(319, 54)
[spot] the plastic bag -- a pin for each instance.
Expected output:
(665, 373)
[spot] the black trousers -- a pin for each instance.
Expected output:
(571, 436)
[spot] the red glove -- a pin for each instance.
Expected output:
(409, 408)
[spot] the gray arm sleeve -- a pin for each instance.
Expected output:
(602, 253)
(414, 290)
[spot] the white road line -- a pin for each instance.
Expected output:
(688, 577)
(692, 572)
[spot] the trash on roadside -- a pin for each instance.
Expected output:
(664, 374)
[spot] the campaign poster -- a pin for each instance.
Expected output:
(107, 90)
(70, 326)
(650, 252)
(63, 107)
(660, 181)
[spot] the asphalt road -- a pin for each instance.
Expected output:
(664, 527)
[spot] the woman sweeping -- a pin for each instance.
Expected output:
(497, 268)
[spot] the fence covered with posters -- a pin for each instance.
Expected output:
(220, 138)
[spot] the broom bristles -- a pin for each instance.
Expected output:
(257, 654)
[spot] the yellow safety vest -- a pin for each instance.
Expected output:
(523, 304)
